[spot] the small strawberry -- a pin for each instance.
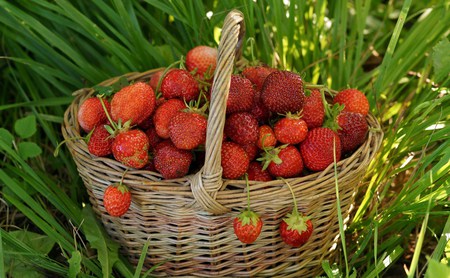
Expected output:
(295, 229)
(234, 160)
(179, 83)
(202, 59)
(91, 113)
(164, 114)
(317, 149)
(100, 142)
(130, 147)
(117, 199)
(284, 161)
(354, 101)
(266, 137)
(242, 128)
(353, 130)
(241, 95)
(283, 92)
(170, 161)
(255, 172)
(187, 128)
(247, 225)
(291, 129)
(313, 112)
(257, 75)
(134, 103)
(155, 79)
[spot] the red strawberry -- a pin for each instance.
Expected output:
(257, 75)
(203, 59)
(354, 101)
(179, 83)
(259, 111)
(154, 80)
(133, 103)
(170, 161)
(290, 129)
(117, 199)
(164, 114)
(131, 148)
(317, 148)
(313, 112)
(153, 138)
(100, 142)
(187, 129)
(295, 229)
(353, 130)
(255, 172)
(241, 95)
(252, 150)
(92, 114)
(283, 92)
(284, 161)
(234, 160)
(266, 137)
(242, 128)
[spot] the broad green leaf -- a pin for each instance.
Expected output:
(29, 150)
(25, 127)
(441, 59)
(74, 264)
(437, 269)
(6, 136)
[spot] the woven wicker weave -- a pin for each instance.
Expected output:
(189, 220)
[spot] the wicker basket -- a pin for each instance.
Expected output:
(189, 220)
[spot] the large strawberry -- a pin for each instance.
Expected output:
(130, 147)
(318, 148)
(242, 128)
(202, 59)
(295, 229)
(187, 128)
(164, 114)
(284, 161)
(257, 75)
(354, 101)
(117, 199)
(241, 95)
(179, 83)
(100, 142)
(255, 172)
(234, 160)
(353, 130)
(91, 113)
(282, 92)
(134, 103)
(291, 129)
(170, 161)
(313, 112)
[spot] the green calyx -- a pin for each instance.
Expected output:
(248, 217)
(296, 221)
(271, 155)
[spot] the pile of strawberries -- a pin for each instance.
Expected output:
(277, 126)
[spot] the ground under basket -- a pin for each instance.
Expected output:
(188, 221)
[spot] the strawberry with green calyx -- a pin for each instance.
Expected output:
(247, 225)
(284, 161)
(353, 101)
(201, 60)
(291, 129)
(131, 147)
(117, 199)
(100, 142)
(267, 137)
(295, 229)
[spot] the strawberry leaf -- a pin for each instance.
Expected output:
(28, 150)
(25, 127)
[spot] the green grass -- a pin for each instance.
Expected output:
(394, 51)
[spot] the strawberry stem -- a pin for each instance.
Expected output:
(248, 191)
(113, 124)
(295, 209)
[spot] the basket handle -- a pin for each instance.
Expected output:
(206, 183)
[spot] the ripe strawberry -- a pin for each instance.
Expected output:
(317, 148)
(353, 130)
(131, 148)
(266, 137)
(295, 229)
(100, 142)
(259, 111)
(284, 161)
(187, 129)
(255, 172)
(203, 59)
(283, 92)
(241, 95)
(242, 128)
(234, 160)
(251, 149)
(291, 129)
(153, 138)
(134, 103)
(179, 83)
(164, 114)
(313, 112)
(154, 80)
(170, 161)
(354, 101)
(257, 75)
(92, 114)
(117, 199)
